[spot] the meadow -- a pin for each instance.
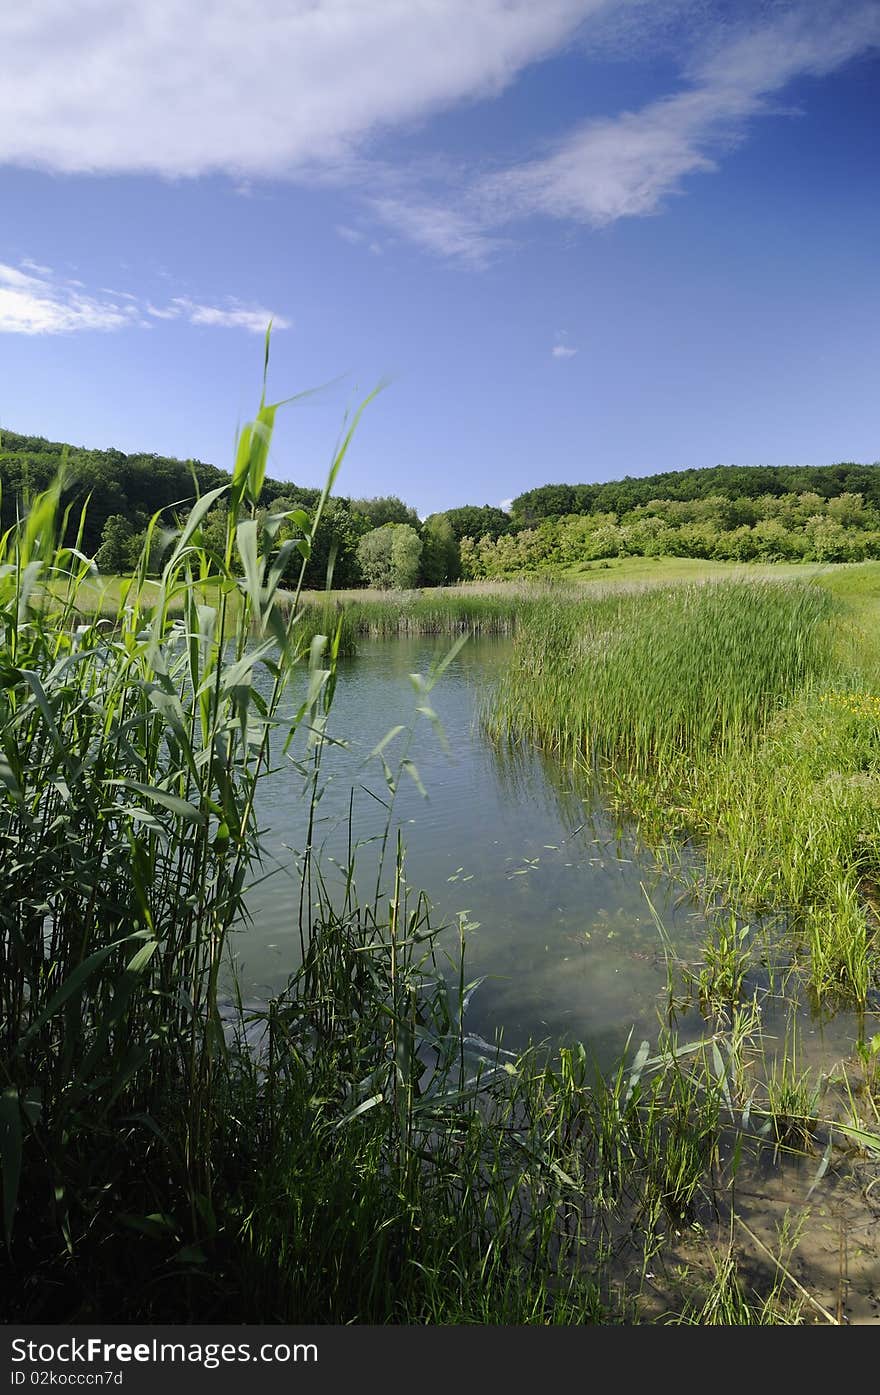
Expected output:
(343, 1152)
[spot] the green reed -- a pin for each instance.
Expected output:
(452, 612)
(744, 714)
(646, 681)
(130, 754)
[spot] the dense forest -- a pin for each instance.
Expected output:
(131, 487)
(725, 512)
(120, 493)
(724, 481)
(772, 528)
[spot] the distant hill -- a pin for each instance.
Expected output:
(727, 481)
(652, 515)
(134, 485)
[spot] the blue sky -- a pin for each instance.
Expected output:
(578, 238)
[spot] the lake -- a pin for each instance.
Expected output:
(554, 891)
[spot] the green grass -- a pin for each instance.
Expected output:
(646, 680)
(95, 596)
(853, 581)
(481, 607)
(436, 612)
(502, 607)
(653, 571)
(745, 714)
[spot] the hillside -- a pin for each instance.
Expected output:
(136, 486)
(727, 481)
(726, 513)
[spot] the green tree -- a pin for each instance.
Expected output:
(471, 521)
(471, 562)
(441, 555)
(848, 510)
(334, 544)
(390, 556)
(829, 542)
(385, 508)
(374, 556)
(120, 546)
(406, 556)
(213, 529)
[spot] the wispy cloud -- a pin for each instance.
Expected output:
(357, 238)
(233, 315)
(35, 305)
(626, 166)
(303, 89)
(45, 304)
(439, 229)
(163, 312)
(562, 351)
(352, 235)
(629, 164)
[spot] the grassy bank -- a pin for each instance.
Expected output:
(744, 715)
(452, 611)
(478, 609)
(481, 607)
(502, 607)
(660, 571)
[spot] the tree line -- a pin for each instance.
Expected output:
(111, 498)
(742, 513)
(771, 528)
(725, 481)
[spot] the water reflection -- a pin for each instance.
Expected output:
(553, 890)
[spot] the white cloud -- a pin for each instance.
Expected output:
(562, 349)
(46, 304)
(439, 229)
(34, 305)
(250, 87)
(610, 169)
(232, 316)
(303, 88)
(357, 238)
(626, 165)
(21, 280)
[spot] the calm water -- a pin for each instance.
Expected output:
(565, 933)
(556, 891)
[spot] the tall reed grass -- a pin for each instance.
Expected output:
(648, 680)
(129, 757)
(455, 611)
(736, 713)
